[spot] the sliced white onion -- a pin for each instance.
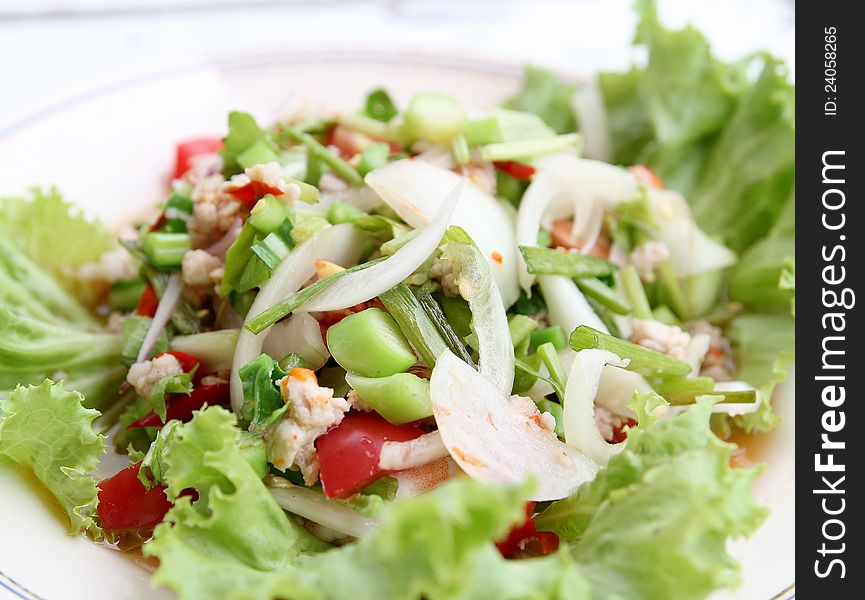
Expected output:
(489, 320)
(341, 244)
(398, 456)
(617, 387)
(691, 250)
(420, 480)
(300, 334)
(214, 349)
(415, 190)
(362, 197)
(567, 307)
(315, 507)
(361, 286)
(566, 185)
(164, 310)
(584, 379)
(498, 439)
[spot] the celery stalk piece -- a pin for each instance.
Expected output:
(277, 311)
(268, 214)
(521, 327)
(546, 261)
(730, 397)
(530, 148)
(685, 384)
(370, 344)
(315, 149)
(414, 322)
(399, 398)
(433, 116)
(604, 295)
(633, 290)
(642, 360)
(166, 250)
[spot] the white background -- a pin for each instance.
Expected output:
(50, 48)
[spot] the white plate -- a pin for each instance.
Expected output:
(111, 148)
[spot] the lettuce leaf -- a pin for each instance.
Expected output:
(712, 130)
(47, 429)
(654, 522)
(262, 399)
(235, 542)
(172, 384)
(53, 233)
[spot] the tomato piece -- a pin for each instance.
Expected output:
(542, 543)
(252, 192)
(159, 222)
(181, 406)
(519, 532)
(194, 147)
(349, 453)
(619, 433)
(125, 504)
(186, 360)
(147, 303)
(647, 176)
(517, 170)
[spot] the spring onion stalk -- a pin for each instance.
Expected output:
(633, 290)
(729, 397)
(550, 358)
(300, 298)
(443, 326)
(339, 166)
(606, 317)
(672, 289)
(644, 361)
(685, 384)
(530, 148)
(365, 125)
(521, 327)
(166, 250)
(414, 322)
(460, 148)
(314, 506)
(666, 316)
(546, 261)
(604, 295)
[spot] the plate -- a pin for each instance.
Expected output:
(111, 148)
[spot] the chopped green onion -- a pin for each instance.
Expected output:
(642, 360)
(268, 214)
(271, 250)
(524, 368)
(379, 106)
(339, 166)
(634, 292)
(555, 409)
(546, 261)
(604, 295)
(365, 125)
(605, 316)
(553, 335)
(460, 148)
(672, 289)
(314, 169)
(730, 397)
(342, 212)
(276, 312)
(179, 202)
(521, 327)
(550, 358)
(124, 295)
(458, 314)
(166, 250)
(372, 157)
(530, 148)
(435, 314)
(664, 315)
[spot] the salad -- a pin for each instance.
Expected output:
(416, 351)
